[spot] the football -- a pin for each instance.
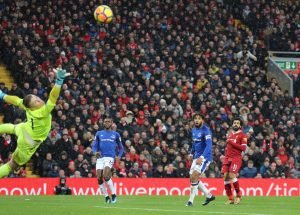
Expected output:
(103, 14)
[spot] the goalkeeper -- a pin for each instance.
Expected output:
(35, 130)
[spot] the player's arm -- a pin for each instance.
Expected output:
(120, 145)
(13, 100)
(60, 77)
(95, 146)
(192, 150)
(208, 141)
(241, 147)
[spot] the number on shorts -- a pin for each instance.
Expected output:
(234, 167)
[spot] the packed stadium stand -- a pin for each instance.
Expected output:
(151, 69)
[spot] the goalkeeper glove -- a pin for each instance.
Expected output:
(2, 95)
(60, 75)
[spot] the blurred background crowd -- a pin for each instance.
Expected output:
(151, 69)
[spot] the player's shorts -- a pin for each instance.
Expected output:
(104, 162)
(26, 146)
(231, 165)
(199, 168)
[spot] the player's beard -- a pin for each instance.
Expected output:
(236, 128)
(199, 125)
(108, 127)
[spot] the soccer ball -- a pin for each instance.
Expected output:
(103, 14)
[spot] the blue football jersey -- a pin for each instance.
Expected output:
(202, 143)
(107, 142)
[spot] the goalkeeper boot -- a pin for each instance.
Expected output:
(113, 198)
(189, 204)
(107, 200)
(208, 200)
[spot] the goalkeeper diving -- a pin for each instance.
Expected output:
(34, 131)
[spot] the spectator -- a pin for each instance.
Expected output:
(272, 171)
(63, 161)
(146, 169)
(264, 167)
(282, 156)
(49, 165)
(135, 171)
(170, 171)
(248, 172)
(182, 171)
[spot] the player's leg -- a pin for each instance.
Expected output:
(108, 163)
(236, 186)
(99, 173)
(194, 176)
(7, 168)
(227, 185)
(102, 185)
(234, 169)
(201, 169)
(19, 157)
(7, 128)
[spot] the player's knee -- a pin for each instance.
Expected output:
(100, 180)
(226, 177)
(194, 177)
(232, 175)
(13, 164)
(107, 178)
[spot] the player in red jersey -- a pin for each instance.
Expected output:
(236, 144)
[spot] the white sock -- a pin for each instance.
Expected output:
(103, 189)
(204, 190)
(111, 186)
(193, 192)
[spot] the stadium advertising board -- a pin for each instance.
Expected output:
(153, 186)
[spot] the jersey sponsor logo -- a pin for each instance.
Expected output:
(108, 140)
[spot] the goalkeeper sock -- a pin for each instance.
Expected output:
(236, 185)
(111, 186)
(202, 187)
(5, 170)
(7, 128)
(228, 190)
(193, 191)
(103, 189)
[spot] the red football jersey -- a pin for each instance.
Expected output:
(239, 138)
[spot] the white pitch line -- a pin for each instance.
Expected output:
(180, 211)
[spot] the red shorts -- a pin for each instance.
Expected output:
(231, 165)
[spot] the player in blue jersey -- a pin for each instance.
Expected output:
(202, 156)
(105, 145)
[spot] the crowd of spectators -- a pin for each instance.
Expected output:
(151, 69)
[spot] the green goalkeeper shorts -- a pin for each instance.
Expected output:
(26, 146)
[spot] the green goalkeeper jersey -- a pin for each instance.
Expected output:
(38, 124)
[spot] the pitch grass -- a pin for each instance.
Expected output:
(144, 205)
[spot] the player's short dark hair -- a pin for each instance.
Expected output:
(107, 116)
(27, 100)
(238, 119)
(198, 114)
